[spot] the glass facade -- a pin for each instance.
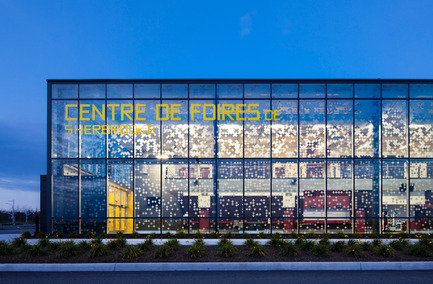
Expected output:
(212, 155)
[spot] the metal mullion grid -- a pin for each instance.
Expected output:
(215, 158)
(270, 152)
(189, 171)
(326, 159)
(299, 180)
(409, 163)
(243, 164)
(133, 158)
(106, 162)
(353, 161)
(49, 218)
(160, 166)
(381, 161)
(79, 163)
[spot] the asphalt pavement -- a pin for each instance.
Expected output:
(249, 277)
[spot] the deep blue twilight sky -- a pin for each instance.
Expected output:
(185, 39)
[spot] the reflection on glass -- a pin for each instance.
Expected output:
(257, 133)
(64, 145)
(312, 128)
(147, 91)
(340, 91)
(421, 129)
(367, 128)
(394, 129)
(257, 91)
(64, 91)
(339, 127)
(285, 91)
(311, 91)
(285, 130)
(92, 91)
(119, 91)
(367, 91)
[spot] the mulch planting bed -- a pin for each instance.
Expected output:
(272, 255)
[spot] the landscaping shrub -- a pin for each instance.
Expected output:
(384, 250)
(163, 251)
(256, 251)
(262, 235)
(325, 236)
(306, 245)
(426, 242)
(90, 235)
(98, 250)
(181, 234)
(44, 242)
(226, 248)
(168, 235)
(373, 236)
(275, 240)
(54, 245)
(311, 235)
(246, 236)
(399, 244)
(96, 241)
(340, 235)
(293, 235)
(388, 235)
(353, 251)
(19, 242)
(116, 244)
(119, 234)
(357, 235)
(73, 235)
(40, 235)
(83, 245)
(214, 235)
(324, 242)
(404, 235)
(418, 249)
(289, 249)
(376, 243)
(5, 248)
(228, 235)
(250, 243)
(36, 250)
(135, 235)
(299, 241)
(366, 246)
(173, 244)
(59, 235)
(132, 252)
(67, 249)
(26, 235)
(198, 235)
(102, 235)
(152, 236)
(320, 250)
(146, 245)
(196, 250)
(338, 246)
(351, 242)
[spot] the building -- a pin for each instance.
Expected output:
(239, 155)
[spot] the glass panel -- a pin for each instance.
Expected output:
(312, 195)
(120, 117)
(147, 145)
(394, 91)
(257, 189)
(285, 91)
(230, 131)
(340, 91)
(394, 129)
(339, 126)
(367, 128)
(201, 129)
(312, 91)
(93, 191)
(284, 195)
(420, 191)
(63, 91)
(394, 193)
(119, 91)
(230, 195)
(147, 187)
(148, 225)
(230, 91)
(202, 91)
(65, 129)
(175, 189)
(201, 194)
(175, 129)
(367, 91)
(367, 195)
(421, 129)
(65, 188)
(147, 91)
(257, 91)
(92, 119)
(257, 133)
(285, 130)
(421, 91)
(339, 196)
(312, 128)
(120, 196)
(92, 91)
(175, 91)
